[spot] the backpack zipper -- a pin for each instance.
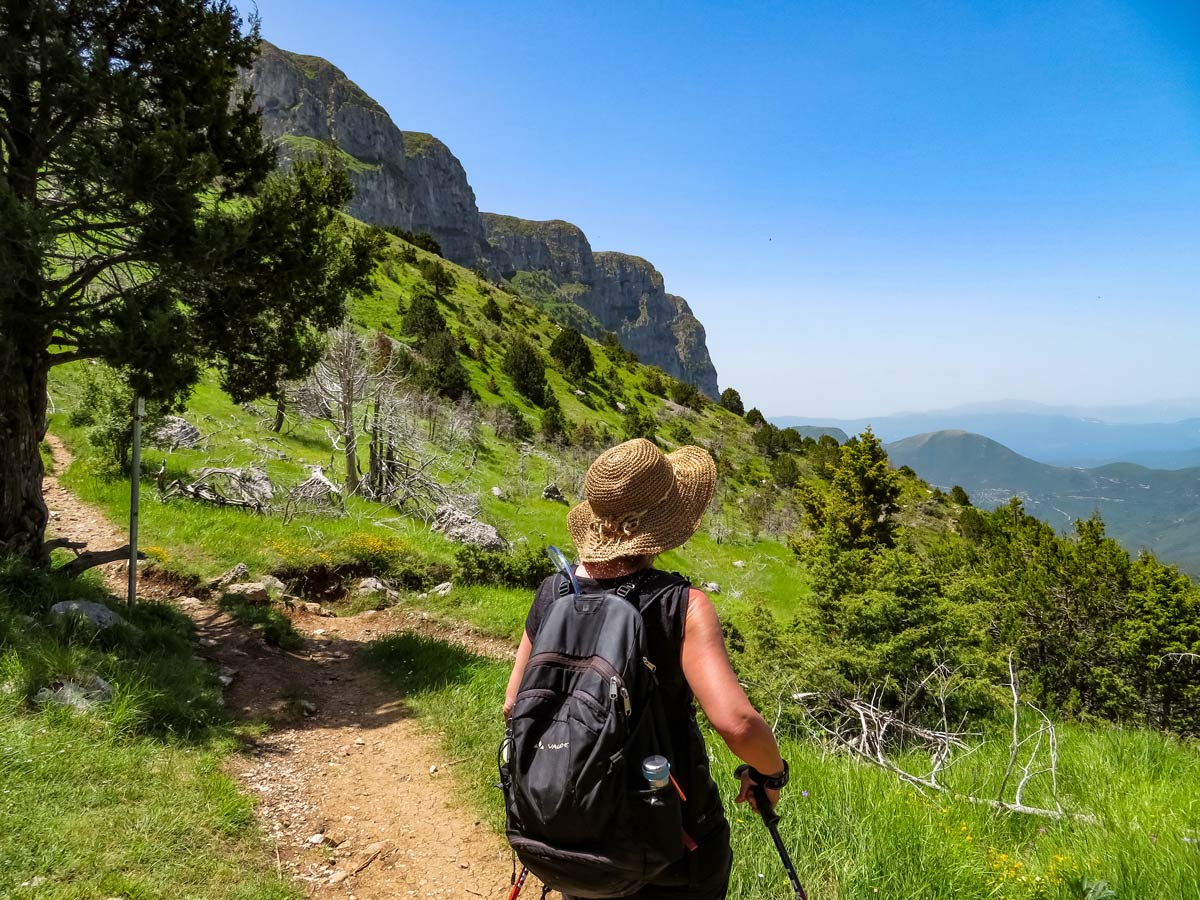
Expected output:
(579, 695)
(616, 686)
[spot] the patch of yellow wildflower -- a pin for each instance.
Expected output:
(377, 552)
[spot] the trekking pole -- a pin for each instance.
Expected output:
(771, 819)
(518, 884)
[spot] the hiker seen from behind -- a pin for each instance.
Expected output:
(606, 777)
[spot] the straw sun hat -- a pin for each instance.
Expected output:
(640, 501)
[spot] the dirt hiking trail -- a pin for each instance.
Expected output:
(344, 777)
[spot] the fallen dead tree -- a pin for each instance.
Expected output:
(248, 488)
(863, 729)
(315, 495)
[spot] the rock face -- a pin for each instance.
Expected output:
(412, 181)
(407, 179)
(556, 247)
(622, 293)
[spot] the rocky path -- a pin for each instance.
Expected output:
(355, 797)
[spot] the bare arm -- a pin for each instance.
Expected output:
(712, 679)
(514, 680)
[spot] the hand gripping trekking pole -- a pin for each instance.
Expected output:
(771, 819)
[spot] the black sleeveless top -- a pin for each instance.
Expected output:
(662, 598)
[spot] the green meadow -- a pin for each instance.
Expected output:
(128, 799)
(856, 831)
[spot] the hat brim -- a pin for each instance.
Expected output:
(664, 526)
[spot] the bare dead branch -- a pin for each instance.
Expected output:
(240, 488)
(63, 543)
(90, 560)
(862, 728)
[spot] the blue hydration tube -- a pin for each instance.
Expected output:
(560, 562)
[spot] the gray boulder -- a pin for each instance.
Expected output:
(464, 529)
(497, 492)
(443, 589)
(93, 614)
(551, 492)
(271, 583)
(175, 433)
(82, 693)
(254, 591)
(240, 572)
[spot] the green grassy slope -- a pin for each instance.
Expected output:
(196, 540)
(858, 833)
(128, 800)
(858, 830)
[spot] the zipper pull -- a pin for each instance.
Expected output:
(649, 665)
(628, 703)
(612, 689)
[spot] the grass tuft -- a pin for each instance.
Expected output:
(275, 627)
(127, 799)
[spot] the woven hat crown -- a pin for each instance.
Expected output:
(641, 502)
(631, 476)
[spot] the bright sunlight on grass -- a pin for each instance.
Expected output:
(129, 799)
(857, 833)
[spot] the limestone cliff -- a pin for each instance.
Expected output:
(403, 178)
(622, 293)
(556, 247)
(411, 180)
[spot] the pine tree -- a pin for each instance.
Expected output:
(141, 222)
(524, 365)
(856, 512)
(732, 401)
(423, 318)
(572, 352)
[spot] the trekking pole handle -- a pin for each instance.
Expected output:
(766, 808)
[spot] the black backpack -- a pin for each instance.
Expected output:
(580, 814)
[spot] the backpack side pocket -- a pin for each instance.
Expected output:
(659, 815)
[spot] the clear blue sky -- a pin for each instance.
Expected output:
(871, 206)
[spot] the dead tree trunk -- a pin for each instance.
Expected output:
(280, 410)
(341, 378)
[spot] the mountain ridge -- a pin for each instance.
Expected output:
(1049, 439)
(1154, 509)
(412, 181)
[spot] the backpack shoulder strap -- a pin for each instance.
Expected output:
(652, 583)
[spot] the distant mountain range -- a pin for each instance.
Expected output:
(1059, 436)
(816, 432)
(1142, 507)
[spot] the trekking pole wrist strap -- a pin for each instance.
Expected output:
(774, 782)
